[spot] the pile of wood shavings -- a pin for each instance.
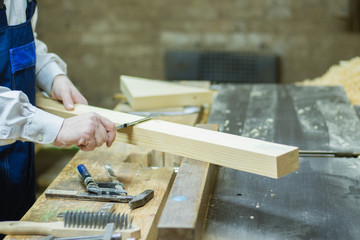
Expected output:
(346, 74)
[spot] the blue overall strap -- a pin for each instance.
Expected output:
(30, 10)
(3, 19)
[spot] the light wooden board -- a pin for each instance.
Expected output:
(135, 178)
(184, 214)
(145, 156)
(147, 94)
(251, 155)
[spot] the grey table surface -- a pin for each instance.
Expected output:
(319, 201)
(311, 118)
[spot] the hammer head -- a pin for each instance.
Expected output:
(141, 199)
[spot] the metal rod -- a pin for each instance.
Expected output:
(132, 123)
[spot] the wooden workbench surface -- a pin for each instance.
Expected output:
(135, 178)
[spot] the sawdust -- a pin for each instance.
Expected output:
(346, 74)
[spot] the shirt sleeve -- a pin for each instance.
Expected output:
(48, 65)
(19, 120)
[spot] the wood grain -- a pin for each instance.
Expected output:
(184, 214)
(251, 155)
(147, 94)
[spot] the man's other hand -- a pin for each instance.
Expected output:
(63, 89)
(87, 131)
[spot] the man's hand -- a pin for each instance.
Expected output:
(63, 89)
(87, 131)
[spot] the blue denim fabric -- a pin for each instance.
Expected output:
(22, 57)
(17, 72)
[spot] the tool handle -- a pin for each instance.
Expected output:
(24, 227)
(91, 185)
(83, 171)
(57, 229)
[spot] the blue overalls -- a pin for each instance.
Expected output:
(17, 72)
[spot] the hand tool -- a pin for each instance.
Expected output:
(187, 110)
(108, 188)
(106, 192)
(74, 224)
(85, 219)
(114, 236)
(136, 201)
(113, 177)
(128, 124)
(107, 235)
(108, 231)
(141, 199)
(106, 208)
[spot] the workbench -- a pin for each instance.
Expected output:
(137, 167)
(135, 177)
(319, 201)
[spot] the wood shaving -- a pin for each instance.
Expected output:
(346, 74)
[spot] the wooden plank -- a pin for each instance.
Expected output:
(147, 94)
(168, 159)
(184, 214)
(135, 178)
(148, 157)
(251, 155)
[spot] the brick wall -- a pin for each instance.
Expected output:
(100, 40)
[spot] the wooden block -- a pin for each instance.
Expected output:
(144, 93)
(184, 213)
(171, 160)
(246, 154)
(140, 155)
(156, 158)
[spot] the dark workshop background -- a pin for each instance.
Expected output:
(100, 40)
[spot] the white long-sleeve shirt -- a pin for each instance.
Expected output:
(19, 120)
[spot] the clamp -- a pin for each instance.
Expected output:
(101, 188)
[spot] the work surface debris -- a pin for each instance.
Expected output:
(346, 74)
